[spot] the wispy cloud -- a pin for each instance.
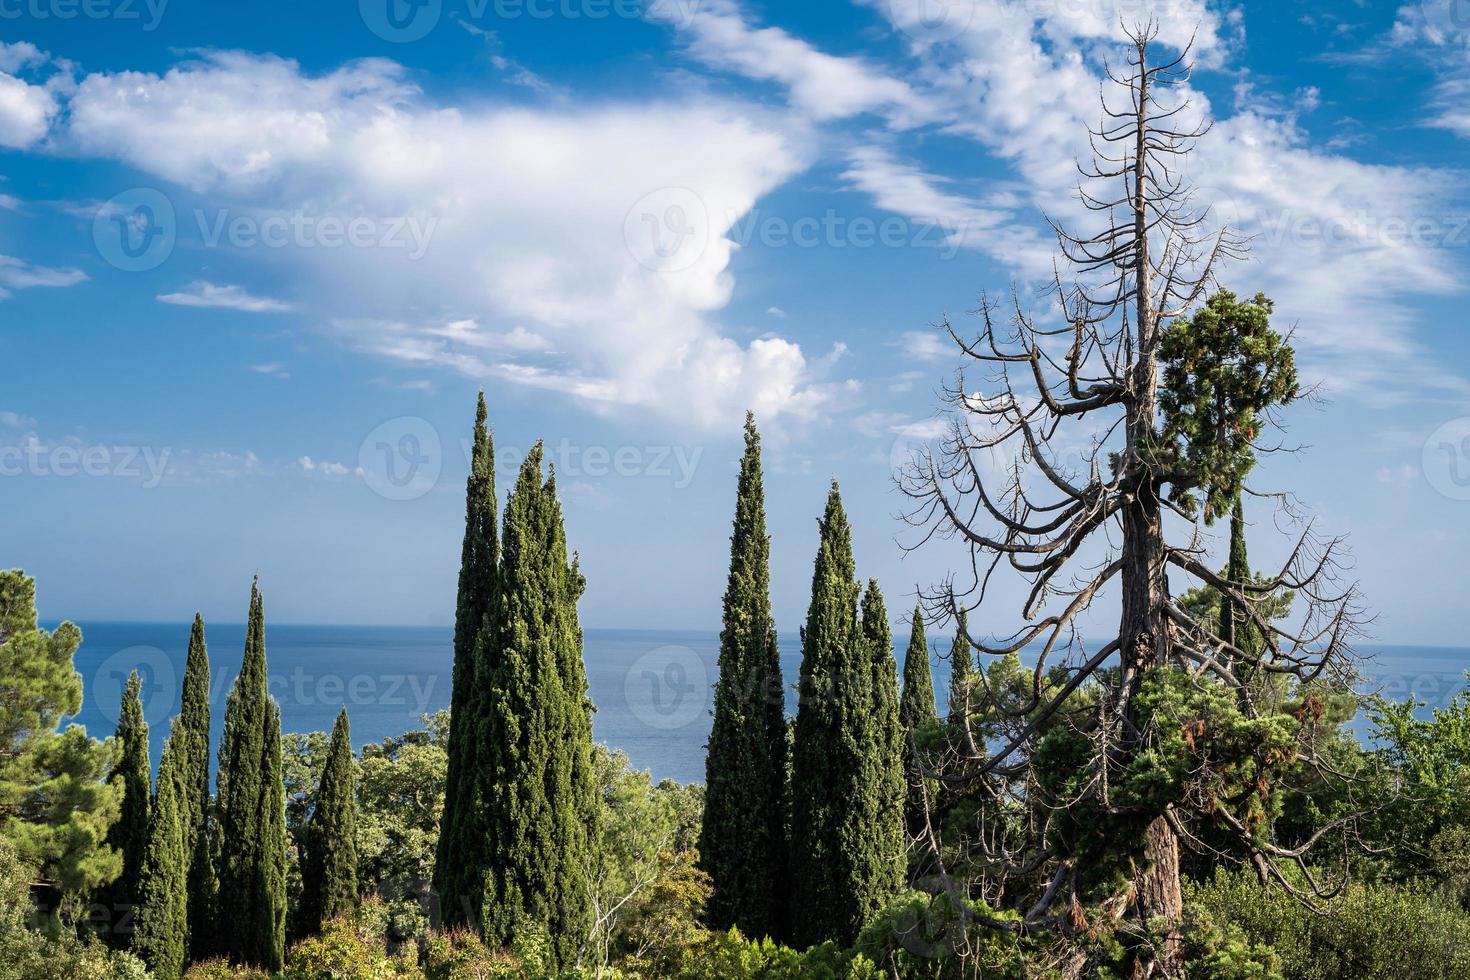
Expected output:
(18, 274)
(207, 295)
(273, 369)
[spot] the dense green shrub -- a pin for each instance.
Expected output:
(344, 951)
(222, 970)
(1369, 931)
(460, 955)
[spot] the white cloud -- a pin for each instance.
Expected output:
(273, 370)
(326, 469)
(14, 420)
(207, 295)
(18, 274)
(26, 110)
(927, 345)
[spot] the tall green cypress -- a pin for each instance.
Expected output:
(329, 871)
(1237, 570)
(163, 912)
(459, 859)
(191, 733)
(129, 835)
(960, 706)
(742, 841)
(252, 812)
(916, 711)
(539, 788)
(828, 754)
(879, 864)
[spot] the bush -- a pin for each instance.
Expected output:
(1369, 931)
(222, 970)
(461, 955)
(343, 951)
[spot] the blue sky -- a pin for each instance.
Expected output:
(630, 222)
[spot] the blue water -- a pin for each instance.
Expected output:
(652, 688)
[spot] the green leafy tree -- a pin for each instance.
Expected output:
(742, 844)
(163, 886)
(837, 846)
(56, 806)
(460, 864)
(252, 811)
(538, 786)
(330, 865)
(916, 713)
(400, 792)
(880, 866)
(958, 705)
(129, 835)
(191, 735)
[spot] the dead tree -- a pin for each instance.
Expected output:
(1079, 527)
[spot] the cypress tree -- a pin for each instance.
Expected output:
(191, 733)
(329, 871)
(916, 711)
(129, 835)
(252, 812)
(827, 778)
(459, 858)
(1237, 570)
(879, 865)
(959, 706)
(539, 788)
(163, 912)
(742, 842)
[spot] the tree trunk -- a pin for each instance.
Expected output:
(1157, 896)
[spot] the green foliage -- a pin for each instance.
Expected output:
(958, 706)
(129, 834)
(916, 711)
(329, 868)
(400, 793)
(460, 954)
(221, 969)
(345, 951)
(191, 737)
(742, 843)
(1369, 931)
(538, 783)
(163, 891)
(1224, 369)
(846, 783)
(460, 864)
(252, 811)
(56, 808)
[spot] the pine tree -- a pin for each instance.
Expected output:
(959, 706)
(879, 864)
(191, 733)
(742, 839)
(459, 859)
(129, 835)
(163, 890)
(916, 711)
(252, 812)
(329, 871)
(540, 793)
(828, 755)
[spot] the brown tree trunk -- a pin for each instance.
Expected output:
(1158, 897)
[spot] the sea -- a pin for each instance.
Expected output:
(653, 688)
